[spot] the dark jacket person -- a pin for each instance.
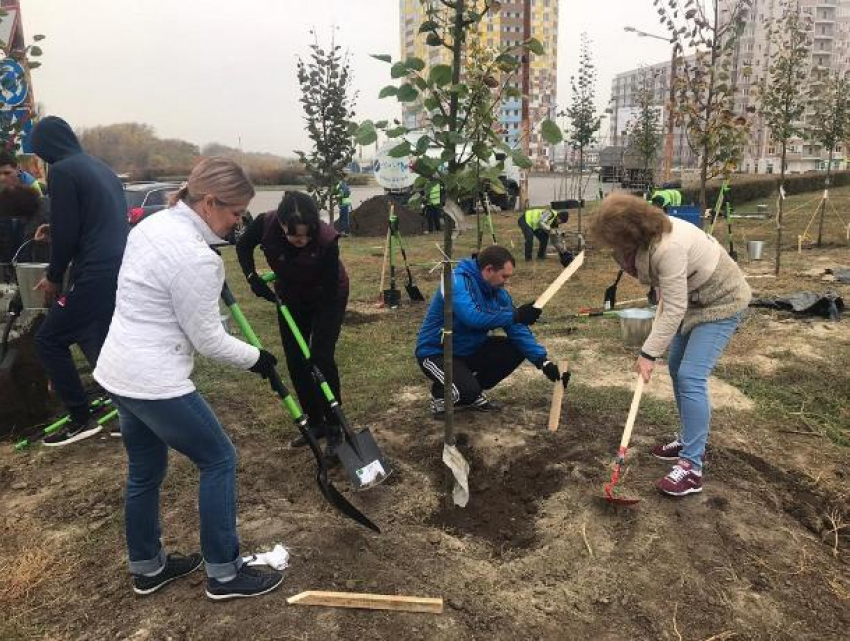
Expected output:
(88, 232)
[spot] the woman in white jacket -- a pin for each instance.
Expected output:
(167, 309)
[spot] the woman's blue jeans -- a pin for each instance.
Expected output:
(691, 360)
(187, 424)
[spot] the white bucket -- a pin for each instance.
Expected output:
(28, 275)
(755, 248)
(635, 325)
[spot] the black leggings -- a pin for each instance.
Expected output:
(320, 329)
(492, 363)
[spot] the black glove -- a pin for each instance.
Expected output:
(551, 370)
(527, 314)
(264, 365)
(260, 288)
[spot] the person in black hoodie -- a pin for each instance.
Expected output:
(311, 281)
(88, 231)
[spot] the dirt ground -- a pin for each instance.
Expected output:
(763, 553)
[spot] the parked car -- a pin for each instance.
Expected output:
(144, 198)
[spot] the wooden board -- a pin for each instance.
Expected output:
(368, 601)
(557, 399)
(562, 278)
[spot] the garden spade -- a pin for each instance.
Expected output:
(611, 494)
(331, 494)
(358, 452)
(411, 289)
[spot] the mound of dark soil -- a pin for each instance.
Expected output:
(372, 216)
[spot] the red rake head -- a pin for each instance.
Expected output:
(610, 495)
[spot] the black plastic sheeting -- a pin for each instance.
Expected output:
(828, 305)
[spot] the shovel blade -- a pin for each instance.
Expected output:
(362, 460)
(414, 293)
(337, 500)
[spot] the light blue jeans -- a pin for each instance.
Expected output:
(691, 361)
(187, 424)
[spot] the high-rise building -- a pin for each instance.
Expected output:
(623, 109)
(830, 53)
(497, 30)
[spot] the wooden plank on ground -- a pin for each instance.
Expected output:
(368, 601)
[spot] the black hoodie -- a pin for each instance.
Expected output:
(88, 222)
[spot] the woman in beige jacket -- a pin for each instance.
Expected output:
(703, 293)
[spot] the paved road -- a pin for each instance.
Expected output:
(543, 189)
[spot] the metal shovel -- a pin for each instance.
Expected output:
(331, 494)
(359, 453)
(412, 290)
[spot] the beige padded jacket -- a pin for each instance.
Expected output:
(697, 279)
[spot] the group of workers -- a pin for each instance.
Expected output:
(141, 304)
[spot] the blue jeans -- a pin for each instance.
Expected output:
(345, 218)
(187, 424)
(691, 361)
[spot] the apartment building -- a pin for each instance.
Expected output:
(497, 30)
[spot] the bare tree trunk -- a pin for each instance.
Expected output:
(781, 206)
(580, 183)
(825, 197)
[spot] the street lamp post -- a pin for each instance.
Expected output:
(667, 166)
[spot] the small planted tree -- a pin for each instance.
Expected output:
(704, 88)
(456, 147)
(644, 131)
(582, 114)
(328, 102)
(783, 96)
(831, 107)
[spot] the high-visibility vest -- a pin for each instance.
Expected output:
(670, 197)
(540, 217)
(434, 194)
(344, 194)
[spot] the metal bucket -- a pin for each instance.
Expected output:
(635, 325)
(755, 248)
(28, 275)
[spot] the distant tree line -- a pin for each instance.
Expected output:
(135, 149)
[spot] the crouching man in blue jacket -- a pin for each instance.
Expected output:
(480, 361)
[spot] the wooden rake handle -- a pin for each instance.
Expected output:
(633, 410)
(562, 278)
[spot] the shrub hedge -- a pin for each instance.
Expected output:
(746, 188)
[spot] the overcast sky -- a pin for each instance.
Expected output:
(215, 71)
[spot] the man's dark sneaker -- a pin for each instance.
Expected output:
(682, 480)
(72, 432)
(248, 582)
(668, 452)
(176, 565)
(484, 404)
(318, 431)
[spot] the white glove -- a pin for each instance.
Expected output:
(278, 558)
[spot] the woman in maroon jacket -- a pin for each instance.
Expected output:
(311, 281)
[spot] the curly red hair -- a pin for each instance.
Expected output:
(626, 223)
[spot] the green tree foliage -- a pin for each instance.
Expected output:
(644, 131)
(10, 130)
(830, 105)
(704, 86)
(328, 102)
(783, 95)
(584, 120)
(459, 102)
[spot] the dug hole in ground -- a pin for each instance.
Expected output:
(763, 553)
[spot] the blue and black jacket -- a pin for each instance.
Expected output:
(477, 309)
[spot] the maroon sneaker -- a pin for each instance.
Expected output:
(668, 452)
(681, 480)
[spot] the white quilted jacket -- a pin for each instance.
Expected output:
(167, 309)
